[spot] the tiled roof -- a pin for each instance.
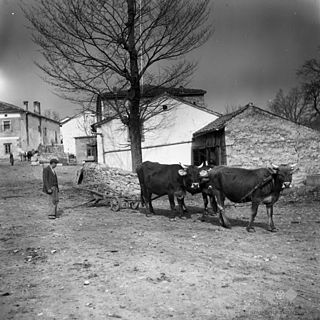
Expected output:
(10, 108)
(153, 91)
(220, 122)
(200, 107)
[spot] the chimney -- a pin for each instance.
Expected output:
(36, 107)
(25, 103)
(99, 108)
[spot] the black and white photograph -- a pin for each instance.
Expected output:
(159, 159)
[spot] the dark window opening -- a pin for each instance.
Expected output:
(7, 148)
(6, 125)
(91, 150)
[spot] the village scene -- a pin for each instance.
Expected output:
(133, 186)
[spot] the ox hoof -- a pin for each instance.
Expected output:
(274, 229)
(251, 229)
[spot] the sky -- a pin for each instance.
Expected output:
(256, 49)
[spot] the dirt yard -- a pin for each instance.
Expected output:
(93, 263)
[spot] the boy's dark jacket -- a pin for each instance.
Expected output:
(49, 180)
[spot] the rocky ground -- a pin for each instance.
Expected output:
(94, 263)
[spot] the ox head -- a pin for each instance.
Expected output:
(284, 173)
(191, 174)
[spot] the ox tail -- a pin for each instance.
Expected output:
(143, 203)
(141, 182)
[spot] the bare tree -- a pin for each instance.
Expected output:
(292, 106)
(91, 46)
(309, 74)
(232, 108)
(52, 114)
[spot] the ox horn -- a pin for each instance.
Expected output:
(183, 165)
(274, 166)
(293, 167)
(201, 165)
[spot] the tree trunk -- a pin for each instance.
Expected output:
(134, 92)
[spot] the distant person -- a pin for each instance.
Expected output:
(11, 159)
(51, 187)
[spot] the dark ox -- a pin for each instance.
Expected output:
(243, 185)
(166, 179)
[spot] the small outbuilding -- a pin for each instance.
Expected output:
(253, 137)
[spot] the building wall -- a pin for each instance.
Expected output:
(40, 131)
(11, 136)
(82, 149)
(78, 126)
(256, 138)
(168, 141)
(21, 140)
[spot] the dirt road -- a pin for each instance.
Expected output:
(93, 263)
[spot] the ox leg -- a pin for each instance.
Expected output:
(180, 200)
(271, 226)
(184, 207)
(254, 211)
(205, 203)
(148, 202)
(223, 220)
(214, 206)
(172, 205)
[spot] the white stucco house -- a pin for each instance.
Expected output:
(167, 137)
(78, 128)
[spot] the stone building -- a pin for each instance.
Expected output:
(22, 129)
(252, 137)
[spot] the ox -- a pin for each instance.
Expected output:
(166, 179)
(257, 186)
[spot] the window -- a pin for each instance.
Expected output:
(6, 125)
(55, 137)
(7, 148)
(45, 132)
(91, 150)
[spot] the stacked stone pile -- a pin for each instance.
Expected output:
(109, 181)
(46, 153)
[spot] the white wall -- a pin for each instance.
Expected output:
(78, 126)
(169, 143)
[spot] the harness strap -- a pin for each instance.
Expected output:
(256, 187)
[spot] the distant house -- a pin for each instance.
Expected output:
(22, 129)
(77, 137)
(253, 137)
(167, 137)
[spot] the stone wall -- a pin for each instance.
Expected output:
(256, 138)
